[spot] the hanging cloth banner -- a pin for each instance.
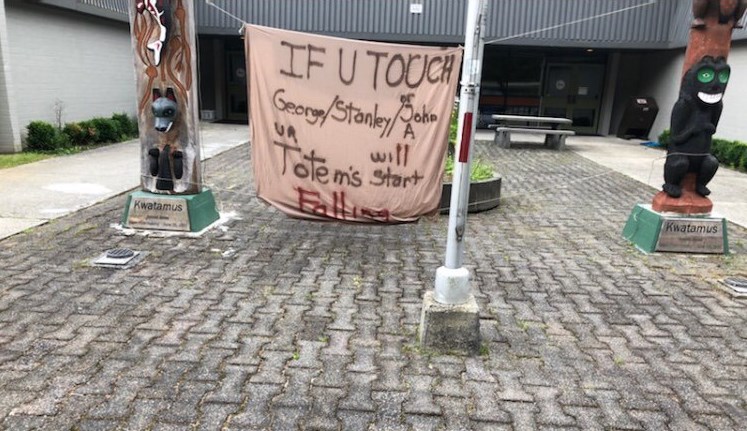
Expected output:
(348, 130)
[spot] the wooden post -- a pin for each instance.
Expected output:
(163, 40)
(695, 116)
(713, 38)
(680, 219)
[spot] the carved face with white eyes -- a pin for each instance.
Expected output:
(707, 80)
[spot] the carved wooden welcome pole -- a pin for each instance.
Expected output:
(680, 219)
(173, 197)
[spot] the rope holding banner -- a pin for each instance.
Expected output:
(227, 13)
(566, 24)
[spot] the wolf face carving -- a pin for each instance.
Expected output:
(695, 117)
(165, 109)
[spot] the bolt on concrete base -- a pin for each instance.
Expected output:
(450, 328)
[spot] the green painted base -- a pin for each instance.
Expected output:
(653, 231)
(183, 213)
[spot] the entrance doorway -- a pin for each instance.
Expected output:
(574, 91)
(237, 107)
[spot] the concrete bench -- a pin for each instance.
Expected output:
(554, 138)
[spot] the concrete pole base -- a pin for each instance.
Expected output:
(449, 328)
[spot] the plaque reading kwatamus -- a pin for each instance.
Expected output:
(691, 235)
(159, 214)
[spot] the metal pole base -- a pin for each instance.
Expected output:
(452, 286)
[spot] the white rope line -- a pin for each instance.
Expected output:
(227, 13)
(503, 39)
(651, 171)
(578, 21)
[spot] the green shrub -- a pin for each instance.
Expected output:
(127, 125)
(664, 138)
(453, 129)
(76, 133)
(107, 130)
(732, 154)
(91, 134)
(742, 162)
(719, 148)
(43, 136)
(40, 136)
(480, 170)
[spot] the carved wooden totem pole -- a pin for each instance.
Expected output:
(690, 165)
(679, 218)
(163, 40)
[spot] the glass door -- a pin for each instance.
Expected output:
(574, 91)
(237, 108)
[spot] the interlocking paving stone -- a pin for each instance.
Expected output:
(278, 323)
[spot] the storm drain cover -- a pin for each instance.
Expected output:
(118, 258)
(738, 284)
(120, 253)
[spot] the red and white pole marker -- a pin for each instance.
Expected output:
(452, 279)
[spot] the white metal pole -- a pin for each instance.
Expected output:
(452, 279)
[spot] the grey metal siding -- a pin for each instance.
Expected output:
(663, 24)
(111, 9)
(442, 20)
(516, 21)
(581, 22)
(119, 6)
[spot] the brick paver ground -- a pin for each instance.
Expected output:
(276, 323)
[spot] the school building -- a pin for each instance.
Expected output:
(581, 59)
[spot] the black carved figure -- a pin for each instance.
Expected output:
(727, 9)
(695, 117)
(165, 164)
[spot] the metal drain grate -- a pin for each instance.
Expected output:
(738, 284)
(118, 258)
(120, 253)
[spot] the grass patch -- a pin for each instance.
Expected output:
(17, 159)
(13, 160)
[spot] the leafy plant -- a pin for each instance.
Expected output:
(43, 136)
(127, 125)
(453, 129)
(77, 134)
(91, 134)
(108, 130)
(664, 138)
(479, 170)
(730, 153)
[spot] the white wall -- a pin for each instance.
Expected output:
(83, 61)
(10, 138)
(733, 123)
(664, 85)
